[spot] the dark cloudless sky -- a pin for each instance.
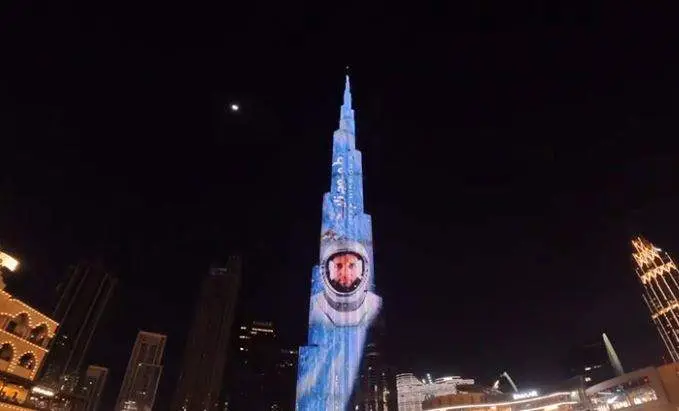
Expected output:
(509, 154)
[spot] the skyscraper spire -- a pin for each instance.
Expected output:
(347, 113)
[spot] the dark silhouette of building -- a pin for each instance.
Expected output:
(263, 377)
(590, 361)
(140, 384)
(287, 378)
(376, 386)
(82, 302)
(92, 386)
(200, 382)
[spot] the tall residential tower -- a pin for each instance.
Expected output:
(82, 302)
(138, 392)
(343, 303)
(659, 276)
(200, 382)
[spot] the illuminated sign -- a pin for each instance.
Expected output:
(524, 395)
(343, 303)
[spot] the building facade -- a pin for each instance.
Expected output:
(412, 391)
(650, 388)
(658, 274)
(83, 299)
(263, 373)
(572, 400)
(92, 387)
(140, 383)
(595, 361)
(201, 378)
(25, 338)
(25, 335)
(343, 303)
(376, 385)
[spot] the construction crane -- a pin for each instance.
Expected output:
(496, 385)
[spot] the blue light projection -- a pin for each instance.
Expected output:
(343, 303)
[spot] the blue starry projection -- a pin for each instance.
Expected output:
(343, 303)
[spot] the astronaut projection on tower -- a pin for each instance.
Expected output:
(343, 303)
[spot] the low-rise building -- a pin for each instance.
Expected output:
(650, 388)
(25, 335)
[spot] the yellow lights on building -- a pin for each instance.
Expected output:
(25, 334)
(551, 401)
(659, 276)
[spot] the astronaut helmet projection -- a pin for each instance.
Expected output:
(345, 270)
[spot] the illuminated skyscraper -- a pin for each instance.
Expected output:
(343, 304)
(82, 302)
(660, 278)
(138, 391)
(200, 382)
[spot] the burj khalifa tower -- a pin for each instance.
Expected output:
(343, 303)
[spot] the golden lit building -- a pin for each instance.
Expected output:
(659, 276)
(25, 335)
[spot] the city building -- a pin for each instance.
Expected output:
(82, 301)
(376, 385)
(659, 276)
(343, 302)
(92, 386)
(412, 391)
(595, 361)
(650, 388)
(287, 375)
(25, 336)
(532, 401)
(200, 381)
(138, 391)
(568, 395)
(263, 376)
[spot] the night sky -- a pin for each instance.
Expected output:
(510, 152)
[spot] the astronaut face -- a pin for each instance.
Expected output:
(345, 271)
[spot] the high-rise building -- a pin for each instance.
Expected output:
(376, 386)
(595, 361)
(659, 276)
(343, 303)
(138, 391)
(92, 386)
(200, 382)
(287, 374)
(263, 375)
(82, 302)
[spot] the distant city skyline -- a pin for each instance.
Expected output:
(509, 153)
